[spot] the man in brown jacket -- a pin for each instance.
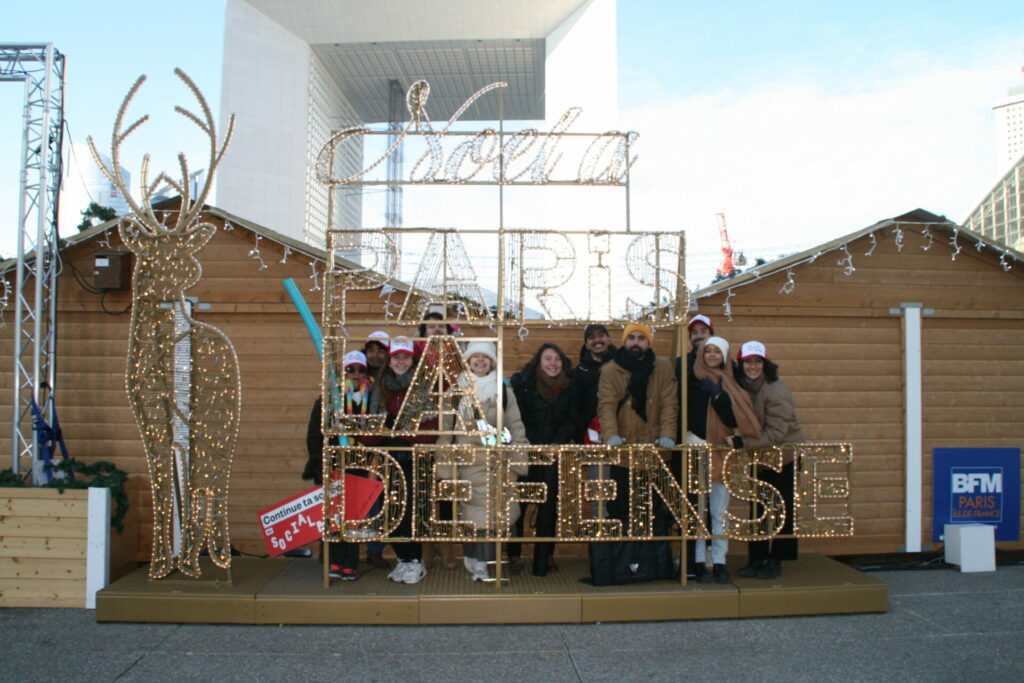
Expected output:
(638, 398)
(637, 402)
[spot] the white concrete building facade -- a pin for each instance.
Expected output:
(84, 182)
(296, 71)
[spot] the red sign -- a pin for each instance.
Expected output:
(299, 520)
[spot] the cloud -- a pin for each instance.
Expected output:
(798, 163)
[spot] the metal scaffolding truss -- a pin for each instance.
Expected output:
(41, 69)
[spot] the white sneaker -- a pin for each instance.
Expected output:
(414, 572)
(398, 573)
(477, 568)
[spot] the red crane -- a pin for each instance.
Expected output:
(729, 259)
(728, 264)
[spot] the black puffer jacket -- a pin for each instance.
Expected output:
(697, 402)
(583, 391)
(545, 423)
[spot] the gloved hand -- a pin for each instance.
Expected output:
(710, 387)
(614, 441)
(664, 442)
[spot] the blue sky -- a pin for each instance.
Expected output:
(801, 120)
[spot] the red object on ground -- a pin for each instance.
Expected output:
(299, 520)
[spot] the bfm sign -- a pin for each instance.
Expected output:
(977, 486)
(978, 482)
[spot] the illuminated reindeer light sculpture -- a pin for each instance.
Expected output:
(182, 376)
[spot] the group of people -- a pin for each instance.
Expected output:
(614, 395)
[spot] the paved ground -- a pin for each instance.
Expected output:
(941, 626)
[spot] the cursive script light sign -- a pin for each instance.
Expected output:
(489, 156)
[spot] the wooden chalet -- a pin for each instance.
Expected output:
(832, 317)
(241, 293)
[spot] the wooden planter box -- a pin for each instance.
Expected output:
(45, 546)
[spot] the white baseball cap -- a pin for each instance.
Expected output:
(701, 319)
(753, 348)
(400, 345)
(378, 334)
(354, 358)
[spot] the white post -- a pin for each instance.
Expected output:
(912, 398)
(97, 555)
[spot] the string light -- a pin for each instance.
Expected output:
(182, 375)
(228, 227)
(874, 245)
(727, 307)
(925, 232)
(314, 276)
(898, 234)
(848, 268)
(1003, 262)
(790, 283)
(5, 300)
(254, 253)
(821, 491)
(287, 253)
(486, 149)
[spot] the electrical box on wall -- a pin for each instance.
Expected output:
(111, 270)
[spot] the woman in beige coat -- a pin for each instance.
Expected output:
(773, 405)
(482, 360)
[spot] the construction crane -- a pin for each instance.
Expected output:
(729, 260)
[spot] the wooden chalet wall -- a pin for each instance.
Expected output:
(279, 368)
(841, 353)
(280, 371)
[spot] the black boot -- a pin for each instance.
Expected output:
(750, 571)
(770, 569)
(701, 573)
(721, 574)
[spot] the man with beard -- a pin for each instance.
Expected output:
(597, 350)
(637, 403)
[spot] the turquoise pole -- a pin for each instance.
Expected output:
(318, 337)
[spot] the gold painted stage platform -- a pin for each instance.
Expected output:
(290, 591)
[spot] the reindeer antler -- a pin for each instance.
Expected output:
(190, 208)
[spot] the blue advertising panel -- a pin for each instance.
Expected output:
(976, 486)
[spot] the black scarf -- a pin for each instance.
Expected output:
(593, 361)
(639, 374)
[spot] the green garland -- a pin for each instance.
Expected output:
(102, 474)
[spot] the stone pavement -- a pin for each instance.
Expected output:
(941, 626)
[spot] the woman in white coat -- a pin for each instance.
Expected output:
(482, 359)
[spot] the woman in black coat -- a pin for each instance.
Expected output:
(549, 415)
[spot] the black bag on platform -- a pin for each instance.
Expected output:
(619, 562)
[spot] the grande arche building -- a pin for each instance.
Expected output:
(296, 71)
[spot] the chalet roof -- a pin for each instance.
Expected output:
(229, 218)
(918, 217)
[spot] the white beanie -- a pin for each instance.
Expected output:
(482, 347)
(720, 343)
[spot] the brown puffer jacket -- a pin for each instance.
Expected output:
(662, 404)
(773, 405)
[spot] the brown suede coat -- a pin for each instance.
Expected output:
(773, 405)
(662, 404)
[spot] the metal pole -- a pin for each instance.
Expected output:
(19, 288)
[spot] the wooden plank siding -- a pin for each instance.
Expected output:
(840, 350)
(42, 547)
